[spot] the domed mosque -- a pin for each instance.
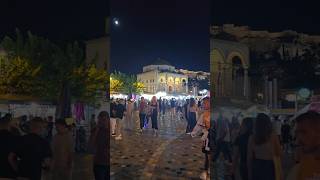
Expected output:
(161, 76)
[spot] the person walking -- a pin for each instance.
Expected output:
(142, 112)
(234, 129)
(160, 106)
(185, 111)
(192, 115)
(128, 117)
(154, 114)
(121, 109)
(33, 151)
(93, 122)
(173, 107)
(223, 140)
(99, 143)
(9, 143)
(113, 117)
(276, 125)
(205, 119)
(240, 148)
(285, 136)
(164, 106)
(264, 151)
(50, 129)
(62, 149)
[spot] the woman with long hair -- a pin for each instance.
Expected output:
(154, 114)
(264, 151)
(241, 146)
(192, 115)
(128, 117)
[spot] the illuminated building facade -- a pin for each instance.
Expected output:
(160, 76)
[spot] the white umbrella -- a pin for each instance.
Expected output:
(301, 111)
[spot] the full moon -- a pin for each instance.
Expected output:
(116, 22)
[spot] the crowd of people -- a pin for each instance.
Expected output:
(256, 147)
(195, 113)
(32, 151)
(122, 113)
(253, 147)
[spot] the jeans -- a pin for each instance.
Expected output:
(119, 126)
(142, 118)
(101, 172)
(223, 147)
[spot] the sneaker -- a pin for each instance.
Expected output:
(204, 175)
(118, 138)
(188, 133)
(113, 134)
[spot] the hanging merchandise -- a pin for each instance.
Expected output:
(78, 111)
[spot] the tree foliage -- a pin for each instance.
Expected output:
(123, 83)
(45, 68)
(17, 76)
(88, 83)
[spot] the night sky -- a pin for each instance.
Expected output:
(58, 20)
(174, 30)
(272, 15)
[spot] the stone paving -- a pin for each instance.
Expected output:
(170, 155)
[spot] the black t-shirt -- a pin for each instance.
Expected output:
(120, 110)
(113, 110)
(242, 143)
(8, 144)
(32, 151)
(173, 103)
(285, 130)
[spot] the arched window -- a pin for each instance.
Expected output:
(177, 81)
(184, 83)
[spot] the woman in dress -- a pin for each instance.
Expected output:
(264, 151)
(192, 115)
(129, 120)
(154, 114)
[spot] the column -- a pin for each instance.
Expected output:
(228, 82)
(186, 87)
(266, 93)
(270, 93)
(245, 84)
(223, 83)
(234, 81)
(275, 93)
